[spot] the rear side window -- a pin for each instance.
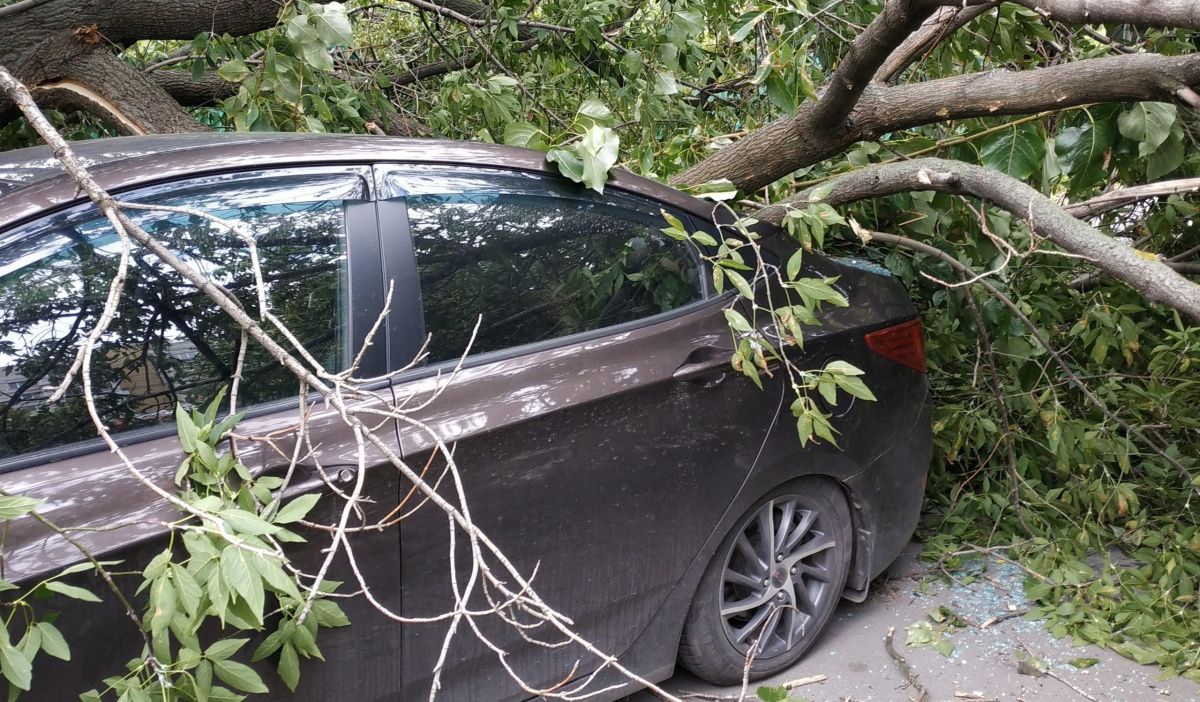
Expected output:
(168, 343)
(541, 265)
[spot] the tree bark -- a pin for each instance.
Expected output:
(1146, 274)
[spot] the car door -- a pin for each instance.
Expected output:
(598, 436)
(316, 236)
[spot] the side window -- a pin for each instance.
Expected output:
(537, 266)
(168, 343)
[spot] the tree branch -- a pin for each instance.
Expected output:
(1183, 14)
(1127, 196)
(898, 20)
(947, 21)
(1152, 278)
(787, 144)
(211, 88)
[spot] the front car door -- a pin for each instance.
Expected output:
(595, 468)
(170, 345)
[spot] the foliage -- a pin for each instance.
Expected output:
(788, 300)
(223, 573)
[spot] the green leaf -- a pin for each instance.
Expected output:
(1083, 152)
(317, 56)
(30, 643)
(329, 613)
(332, 24)
(1167, 157)
(780, 92)
(822, 191)
(703, 238)
(718, 190)
(53, 642)
(15, 667)
(737, 322)
(1149, 124)
(187, 588)
(13, 506)
(598, 151)
(568, 163)
(741, 284)
(239, 676)
(289, 667)
(297, 509)
(794, 264)
(745, 25)
(224, 648)
(233, 71)
(595, 110)
(843, 368)
(827, 389)
(163, 604)
(772, 694)
(203, 681)
(664, 83)
(241, 578)
(525, 135)
(855, 386)
(244, 522)
(1018, 151)
(1084, 663)
(75, 593)
(690, 21)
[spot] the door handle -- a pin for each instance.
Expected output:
(306, 478)
(701, 364)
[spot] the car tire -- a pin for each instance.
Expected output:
(789, 599)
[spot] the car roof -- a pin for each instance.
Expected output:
(33, 182)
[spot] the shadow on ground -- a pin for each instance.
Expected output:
(982, 663)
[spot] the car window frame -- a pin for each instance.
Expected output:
(364, 293)
(408, 324)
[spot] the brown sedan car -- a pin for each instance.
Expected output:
(667, 503)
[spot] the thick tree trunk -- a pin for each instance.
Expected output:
(25, 25)
(63, 50)
(70, 72)
(771, 152)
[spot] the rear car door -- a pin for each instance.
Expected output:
(316, 236)
(598, 435)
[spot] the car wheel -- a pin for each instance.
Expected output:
(772, 584)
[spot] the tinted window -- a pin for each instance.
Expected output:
(540, 266)
(168, 343)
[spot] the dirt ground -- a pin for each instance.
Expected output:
(981, 665)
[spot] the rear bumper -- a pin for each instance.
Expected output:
(887, 495)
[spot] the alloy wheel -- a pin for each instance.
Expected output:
(778, 576)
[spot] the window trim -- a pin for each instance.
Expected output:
(365, 230)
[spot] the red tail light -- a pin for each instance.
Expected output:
(902, 343)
